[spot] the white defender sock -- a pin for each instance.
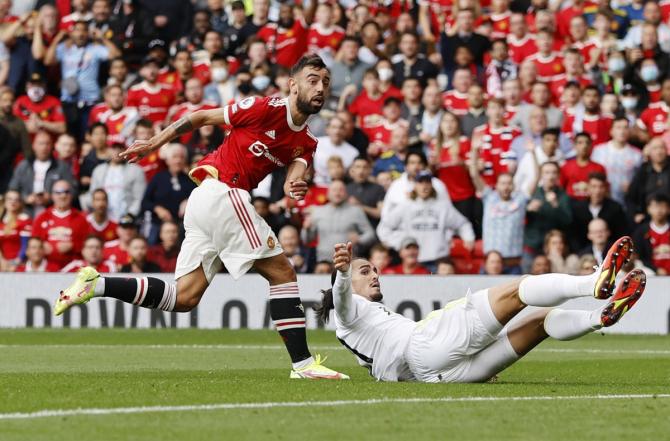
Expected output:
(564, 324)
(554, 289)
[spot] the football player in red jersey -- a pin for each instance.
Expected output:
(221, 225)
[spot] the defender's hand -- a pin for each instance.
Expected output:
(343, 256)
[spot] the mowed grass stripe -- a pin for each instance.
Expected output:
(280, 404)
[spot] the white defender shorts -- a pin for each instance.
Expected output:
(222, 226)
(443, 344)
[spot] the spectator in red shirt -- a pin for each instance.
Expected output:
(592, 120)
(38, 110)
(152, 99)
(193, 93)
(117, 250)
(138, 258)
(380, 134)
(367, 106)
(35, 261)
(120, 120)
(185, 69)
(151, 163)
(165, 253)
(287, 39)
(15, 228)
(91, 254)
(98, 220)
(409, 259)
(652, 239)
(575, 172)
(62, 227)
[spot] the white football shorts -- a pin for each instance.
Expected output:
(442, 346)
(222, 226)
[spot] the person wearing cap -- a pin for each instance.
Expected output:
(430, 221)
(39, 110)
(409, 260)
(116, 250)
(123, 182)
(151, 98)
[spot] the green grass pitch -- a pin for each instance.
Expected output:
(55, 370)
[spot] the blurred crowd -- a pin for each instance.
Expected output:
(461, 136)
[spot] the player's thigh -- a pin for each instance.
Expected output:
(276, 269)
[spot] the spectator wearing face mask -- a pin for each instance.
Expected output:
(39, 110)
(221, 90)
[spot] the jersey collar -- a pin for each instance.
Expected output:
(289, 119)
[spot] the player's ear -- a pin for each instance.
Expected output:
(292, 85)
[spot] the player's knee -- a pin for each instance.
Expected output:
(282, 272)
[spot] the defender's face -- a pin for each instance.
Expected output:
(312, 87)
(365, 280)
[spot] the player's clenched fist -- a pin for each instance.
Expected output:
(296, 189)
(342, 256)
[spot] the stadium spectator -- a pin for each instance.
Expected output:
(591, 121)
(151, 98)
(98, 154)
(367, 105)
(91, 255)
(651, 14)
(597, 205)
(38, 109)
(652, 238)
(66, 151)
(380, 134)
(540, 97)
(324, 267)
(527, 172)
(193, 94)
(35, 259)
(348, 67)
(599, 238)
(445, 267)
(620, 159)
(337, 222)
(557, 251)
(455, 100)
(171, 18)
(123, 182)
(35, 177)
(652, 177)
(430, 222)
(352, 133)
(119, 74)
(165, 253)
(99, 223)
(500, 69)
(393, 159)
(117, 250)
(221, 90)
(132, 32)
(289, 239)
(233, 39)
(476, 113)
(61, 227)
(262, 206)
(329, 146)
(17, 37)
(287, 38)
(9, 152)
(537, 125)
(409, 259)
(652, 120)
(401, 188)
(380, 257)
(431, 115)
(540, 265)
(493, 264)
(411, 107)
(363, 192)
(119, 120)
(14, 125)
(15, 229)
(411, 62)
(576, 171)
(80, 60)
(462, 34)
(548, 208)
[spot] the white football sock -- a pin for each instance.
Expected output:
(554, 289)
(303, 363)
(564, 324)
(99, 288)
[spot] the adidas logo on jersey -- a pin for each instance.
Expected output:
(270, 134)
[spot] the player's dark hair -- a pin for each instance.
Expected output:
(313, 61)
(323, 309)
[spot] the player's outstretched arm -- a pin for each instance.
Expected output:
(184, 125)
(344, 306)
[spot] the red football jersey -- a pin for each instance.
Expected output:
(105, 231)
(557, 85)
(665, 10)
(96, 111)
(368, 111)
(10, 236)
(120, 125)
(453, 171)
(174, 81)
(55, 227)
(455, 102)
(598, 126)
(102, 267)
(381, 133)
(320, 38)
(520, 49)
(285, 46)
(263, 138)
(151, 164)
(397, 269)
(510, 111)
(49, 109)
(575, 178)
(112, 252)
(186, 108)
(500, 25)
(654, 93)
(547, 67)
(659, 238)
(152, 102)
(495, 150)
(436, 8)
(564, 16)
(654, 119)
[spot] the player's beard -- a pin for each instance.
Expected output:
(307, 107)
(377, 297)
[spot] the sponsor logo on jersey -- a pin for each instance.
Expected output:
(259, 149)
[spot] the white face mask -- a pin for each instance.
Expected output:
(629, 102)
(385, 73)
(219, 74)
(260, 82)
(649, 73)
(35, 93)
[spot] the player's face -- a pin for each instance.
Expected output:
(312, 87)
(365, 280)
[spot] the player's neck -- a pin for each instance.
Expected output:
(297, 117)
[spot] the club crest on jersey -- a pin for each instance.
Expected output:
(246, 103)
(298, 151)
(271, 242)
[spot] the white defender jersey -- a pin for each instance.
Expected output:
(375, 335)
